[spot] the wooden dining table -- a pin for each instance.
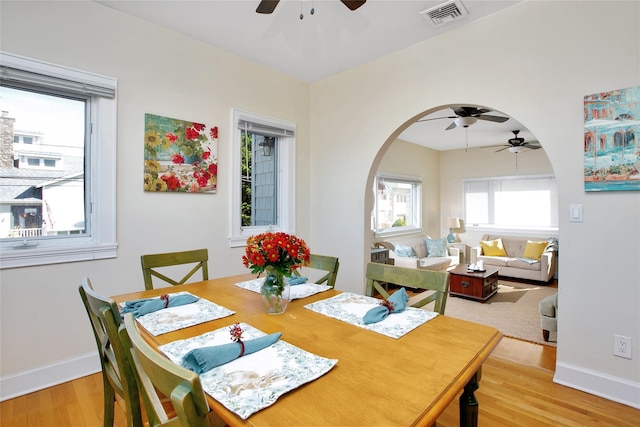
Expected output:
(378, 380)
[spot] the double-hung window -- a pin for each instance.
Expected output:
(263, 168)
(511, 203)
(397, 204)
(57, 168)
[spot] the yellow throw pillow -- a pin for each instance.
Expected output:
(493, 247)
(534, 250)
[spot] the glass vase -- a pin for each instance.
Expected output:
(275, 291)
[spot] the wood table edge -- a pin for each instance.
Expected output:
(430, 416)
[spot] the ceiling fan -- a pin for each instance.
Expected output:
(466, 116)
(268, 6)
(516, 145)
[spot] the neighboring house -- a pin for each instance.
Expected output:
(40, 188)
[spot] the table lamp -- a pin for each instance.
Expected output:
(451, 222)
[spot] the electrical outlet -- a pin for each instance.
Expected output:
(622, 346)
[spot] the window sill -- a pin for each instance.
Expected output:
(529, 231)
(14, 258)
(396, 231)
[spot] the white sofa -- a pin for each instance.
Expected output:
(514, 264)
(422, 259)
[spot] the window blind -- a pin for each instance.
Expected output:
(265, 130)
(10, 76)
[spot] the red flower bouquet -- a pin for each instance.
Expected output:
(283, 252)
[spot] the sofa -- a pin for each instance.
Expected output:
(548, 315)
(530, 258)
(421, 251)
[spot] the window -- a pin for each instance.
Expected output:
(518, 203)
(263, 168)
(397, 204)
(58, 205)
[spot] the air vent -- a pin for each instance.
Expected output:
(444, 13)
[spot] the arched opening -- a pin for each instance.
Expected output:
(449, 158)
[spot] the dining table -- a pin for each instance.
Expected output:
(377, 381)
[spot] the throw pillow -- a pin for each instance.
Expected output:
(534, 250)
(408, 251)
(493, 247)
(436, 247)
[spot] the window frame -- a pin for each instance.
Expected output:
(492, 227)
(100, 156)
(416, 183)
(238, 234)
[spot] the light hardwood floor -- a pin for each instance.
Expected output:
(516, 390)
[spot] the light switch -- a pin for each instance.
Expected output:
(575, 213)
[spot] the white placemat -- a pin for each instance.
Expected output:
(174, 318)
(255, 381)
(302, 290)
(351, 308)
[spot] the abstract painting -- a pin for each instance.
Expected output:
(611, 146)
(180, 156)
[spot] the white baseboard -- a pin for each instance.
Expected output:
(597, 383)
(47, 376)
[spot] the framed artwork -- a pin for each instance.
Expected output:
(179, 155)
(611, 146)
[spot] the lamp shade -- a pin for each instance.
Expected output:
(452, 222)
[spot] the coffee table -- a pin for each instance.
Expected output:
(476, 285)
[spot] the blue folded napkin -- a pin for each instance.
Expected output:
(377, 314)
(296, 280)
(200, 360)
(140, 307)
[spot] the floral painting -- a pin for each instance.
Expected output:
(180, 156)
(611, 146)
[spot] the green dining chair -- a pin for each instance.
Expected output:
(151, 264)
(117, 373)
(324, 263)
(434, 283)
(158, 376)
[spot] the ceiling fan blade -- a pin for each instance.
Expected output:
(531, 145)
(451, 126)
(496, 119)
(435, 118)
(353, 4)
(503, 148)
(267, 6)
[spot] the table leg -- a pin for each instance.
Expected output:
(469, 403)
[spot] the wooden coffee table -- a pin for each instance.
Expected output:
(479, 286)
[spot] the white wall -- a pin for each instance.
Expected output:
(536, 61)
(533, 61)
(45, 334)
(405, 158)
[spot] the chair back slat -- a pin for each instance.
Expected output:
(324, 263)
(157, 374)
(117, 372)
(436, 281)
(151, 262)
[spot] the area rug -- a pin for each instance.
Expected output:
(513, 310)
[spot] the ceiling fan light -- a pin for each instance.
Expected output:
(516, 149)
(465, 121)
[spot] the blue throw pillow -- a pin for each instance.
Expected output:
(436, 247)
(407, 251)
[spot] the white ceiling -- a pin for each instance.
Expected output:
(332, 40)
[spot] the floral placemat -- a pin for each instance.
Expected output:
(351, 308)
(255, 381)
(302, 290)
(174, 318)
